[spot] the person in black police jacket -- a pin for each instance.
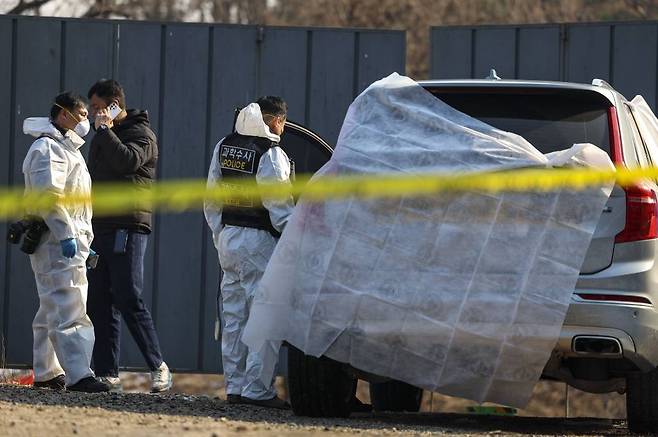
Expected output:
(245, 234)
(124, 149)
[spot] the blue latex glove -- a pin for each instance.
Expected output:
(91, 252)
(69, 247)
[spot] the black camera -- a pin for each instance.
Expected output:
(31, 229)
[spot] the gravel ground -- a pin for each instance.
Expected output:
(31, 412)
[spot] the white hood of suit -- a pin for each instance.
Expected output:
(37, 126)
(250, 122)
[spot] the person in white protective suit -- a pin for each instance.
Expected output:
(245, 234)
(63, 334)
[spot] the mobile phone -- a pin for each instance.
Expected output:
(114, 110)
(120, 241)
(92, 261)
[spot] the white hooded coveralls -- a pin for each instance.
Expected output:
(243, 256)
(63, 334)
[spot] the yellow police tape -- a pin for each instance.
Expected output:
(184, 195)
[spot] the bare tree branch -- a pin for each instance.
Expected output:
(24, 6)
(110, 8)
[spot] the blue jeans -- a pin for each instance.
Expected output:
(115, 290)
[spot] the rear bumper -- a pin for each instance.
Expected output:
(633, 327)
(558, 367)
(633, 272)
(602, 343)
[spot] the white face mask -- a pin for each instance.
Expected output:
(82, 128)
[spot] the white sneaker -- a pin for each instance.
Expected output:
(113, 382)
(161, 379)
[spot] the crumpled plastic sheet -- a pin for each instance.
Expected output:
(647, 123)
(460, 293)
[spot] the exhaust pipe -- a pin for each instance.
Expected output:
(597, 345)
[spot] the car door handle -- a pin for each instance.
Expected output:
(607, 209)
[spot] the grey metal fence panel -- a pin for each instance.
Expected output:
(331, 81)
(588, 53)
(634, 60)
(283, 68)
(90, 49)
(539, 53)
(235, 65)
(189, 77)
(451, 55)
(137, 64)
(37, 70)
(179, 276)
(6, 46)
(210, 351)
(495, 48)
(379, 54)
(624, 54)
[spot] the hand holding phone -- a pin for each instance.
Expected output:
(107, 115)
(114, 110)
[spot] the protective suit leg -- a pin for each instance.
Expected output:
(62, 288)
(45, 363)
(244, 253)
(265, 359)
(234, 317)
(261, 363)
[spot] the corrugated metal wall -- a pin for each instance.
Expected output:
(189, 77)
(623, 54)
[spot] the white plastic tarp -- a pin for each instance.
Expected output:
(459, 293)
(647, 124)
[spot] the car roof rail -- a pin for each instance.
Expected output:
(602, 83)
(493, 75)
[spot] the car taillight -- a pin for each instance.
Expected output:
(640, 215)
(641, 212)
(615, 137)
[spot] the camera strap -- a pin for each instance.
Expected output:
(49, 136)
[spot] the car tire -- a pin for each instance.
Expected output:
(642, 402)
(319, 387)
(395, 396)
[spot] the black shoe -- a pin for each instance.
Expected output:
(275, 402)
(234, 399)
(89, 385)
(57, 383)
(360, 407)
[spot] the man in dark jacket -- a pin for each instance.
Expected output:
(124, 149)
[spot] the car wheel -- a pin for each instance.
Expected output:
(395, 396)
(319, 387)
(642, 402)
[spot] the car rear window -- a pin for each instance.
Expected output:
(549, 119)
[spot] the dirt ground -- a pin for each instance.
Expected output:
(195, 407)
(549, 398)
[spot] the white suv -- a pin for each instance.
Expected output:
(609, 340)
